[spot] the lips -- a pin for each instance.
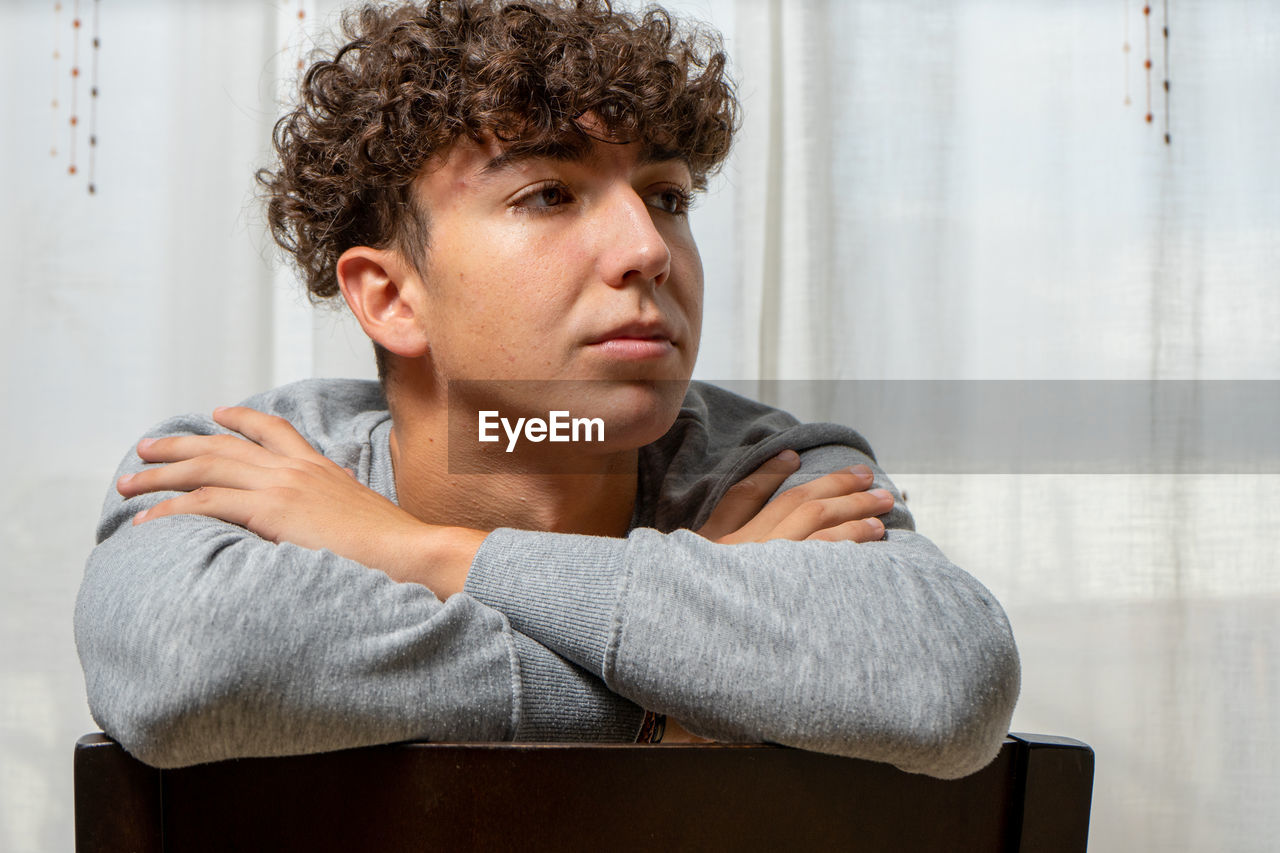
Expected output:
(637, 331)
(635, 341)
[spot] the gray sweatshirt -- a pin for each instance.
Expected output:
(201, 641)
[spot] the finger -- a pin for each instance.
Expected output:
(228, 505)
(859, 530)
(848, 481)
(274, 433)
(857, 478)
(190, 474)
(179, 447)
(813, 516)
(744, 499)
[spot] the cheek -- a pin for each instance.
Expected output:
(688, 262)
(687, 271)
(525, 259)
(502, 306)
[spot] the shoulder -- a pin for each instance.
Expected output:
(719, 423)
(335, 415)
(717, 439)
(720, 411)
(324, 409)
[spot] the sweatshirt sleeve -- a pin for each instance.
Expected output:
(201, 641)
(883, 650)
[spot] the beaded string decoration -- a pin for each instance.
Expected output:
(1127, 99)
(1148, 65)
(302, 34)
(1167, 138)
(73, 121)
(57, 77)
(75, 86)
(1146, 17)
(291, 24)
(93, 101)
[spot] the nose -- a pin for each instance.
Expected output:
(632, 249)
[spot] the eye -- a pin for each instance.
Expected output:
(544, 197)
(673, 200)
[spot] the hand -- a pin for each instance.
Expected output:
(278, 486)
(836, 507)
(676, 733)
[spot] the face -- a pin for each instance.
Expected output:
(580, 269)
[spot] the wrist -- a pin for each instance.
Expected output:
(442, 558)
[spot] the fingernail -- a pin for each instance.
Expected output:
(124, 481)
(881, 493)
(788, 456)
(145, 443)
(861, 470)
(876, 525)
(140, 517)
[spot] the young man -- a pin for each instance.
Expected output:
(499, 191)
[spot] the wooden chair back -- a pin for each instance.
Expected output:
(1034, 798)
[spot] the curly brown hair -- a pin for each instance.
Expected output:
(417, 77)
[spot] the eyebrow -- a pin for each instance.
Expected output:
(568, 154)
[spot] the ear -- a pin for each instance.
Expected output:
(384, 292)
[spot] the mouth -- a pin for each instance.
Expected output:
(635, 341)
(638, 331)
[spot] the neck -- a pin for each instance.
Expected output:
(598, 498)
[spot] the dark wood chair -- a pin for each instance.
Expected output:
(1034, 798)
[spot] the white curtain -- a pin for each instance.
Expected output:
(156, 295)
(922, 191)
(958, 191)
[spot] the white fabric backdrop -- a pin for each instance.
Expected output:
(922, 191)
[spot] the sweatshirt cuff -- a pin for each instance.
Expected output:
(562, 702)
(562, 590)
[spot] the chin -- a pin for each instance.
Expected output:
(636, 412)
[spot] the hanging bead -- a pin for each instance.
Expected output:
(93, 108)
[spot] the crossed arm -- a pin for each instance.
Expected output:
(191, 626)
(275, 484)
